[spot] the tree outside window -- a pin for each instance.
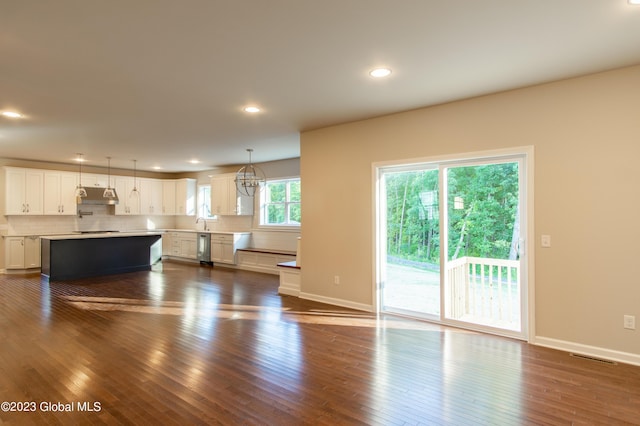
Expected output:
(281, 203)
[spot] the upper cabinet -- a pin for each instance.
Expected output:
(98, 181)
(150, 196)
(52, 192)
(169, 197)
(24, 191)
(185, 197)
(225, 199)
(127, 204)
(156, 196)
(60, 193)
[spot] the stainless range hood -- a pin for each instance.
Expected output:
(95, 197)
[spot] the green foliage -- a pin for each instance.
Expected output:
(412, 215)
(277, 202)
(481, 222)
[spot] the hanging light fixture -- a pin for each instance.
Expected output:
(80, 191)
(134, 192)
(249, 178)
(109, 192)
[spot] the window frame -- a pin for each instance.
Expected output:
(204, 201)
(287, 204)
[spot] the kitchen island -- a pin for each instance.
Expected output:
(73, 256)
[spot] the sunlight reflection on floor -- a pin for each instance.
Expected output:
(249, 312)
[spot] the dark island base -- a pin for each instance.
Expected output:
(69, 259)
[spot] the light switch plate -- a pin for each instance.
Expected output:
(630, 322)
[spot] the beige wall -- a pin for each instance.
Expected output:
(586, 136)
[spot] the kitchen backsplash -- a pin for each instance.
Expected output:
(223, 224)
(100, 219)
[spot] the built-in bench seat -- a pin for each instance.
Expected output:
(289, 278)
(268, 250)
(263, 259)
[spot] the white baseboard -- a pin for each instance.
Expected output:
(592, 351)
(337, 302)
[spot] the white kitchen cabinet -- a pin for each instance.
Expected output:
(150, 196)
(224, 246)
(23, 191)
(60, 193)
(32, 252)
(219, 195)
(14, 252)
(127, 205)
(183, 245)
(95, 180)
(225, 199)
(22, 252)
(169, 197)
(185, 197)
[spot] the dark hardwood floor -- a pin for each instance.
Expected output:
(185, 344)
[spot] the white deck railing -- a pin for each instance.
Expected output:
(484, 291)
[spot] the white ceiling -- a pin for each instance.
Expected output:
(164, 81)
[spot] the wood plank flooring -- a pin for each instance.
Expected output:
(185, 344)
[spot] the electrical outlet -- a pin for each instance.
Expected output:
(336, 279)
(545, 241)
(630, 322)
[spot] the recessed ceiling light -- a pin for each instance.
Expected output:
(635, 2)
(194, 161)
(380, 72)
(157, 168)
(251, 109)
(12, 114)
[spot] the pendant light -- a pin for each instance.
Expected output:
(109, 192)
(134, 192)
(249, 178)
(80, 191)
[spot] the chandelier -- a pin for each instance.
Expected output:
(249, 178)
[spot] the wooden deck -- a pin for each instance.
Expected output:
(184, 344)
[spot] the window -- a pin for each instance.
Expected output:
(204, 201)
(280, 203)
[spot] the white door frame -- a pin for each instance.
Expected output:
(527, 227)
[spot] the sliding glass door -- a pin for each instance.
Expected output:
(449, 242)
(412, 261)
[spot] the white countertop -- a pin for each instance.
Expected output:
(101, 235)
(209, 231)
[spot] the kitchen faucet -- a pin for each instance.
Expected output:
(204, 221)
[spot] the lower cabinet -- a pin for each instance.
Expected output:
(180, 244)
(222, 249)
(22, 252)
(224, 246)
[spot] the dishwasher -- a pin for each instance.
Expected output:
(204, 248)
